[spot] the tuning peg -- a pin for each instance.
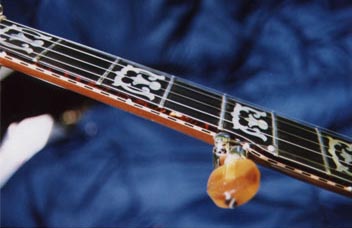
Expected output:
(233, 183)
(236, 179)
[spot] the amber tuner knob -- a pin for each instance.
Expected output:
(234, 182)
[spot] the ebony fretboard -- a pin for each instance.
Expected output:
(301, 150)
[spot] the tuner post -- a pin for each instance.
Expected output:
(235, 178)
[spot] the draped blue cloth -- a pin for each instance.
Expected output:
(118, 170)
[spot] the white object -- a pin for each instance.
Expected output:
(21, 142)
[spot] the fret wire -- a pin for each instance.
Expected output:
(165, 75)
(319, 164)
(297, 126)
(89, 48)
(92, 73)
(131, 95)
(82, 52)
(105, 53)
(184, 106)
(70, 41)
(323, 151)
(310, 167)
(108, 71)
(159, 96)
(223, 111)
(96, 66)
(116, 89)
(303, 123)
(35, 59)
(214, 126)
(166, 92)
(230, 131)
(275, 137)
(206, 113)
(283, 121)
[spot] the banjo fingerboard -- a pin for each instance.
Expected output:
(304, 151)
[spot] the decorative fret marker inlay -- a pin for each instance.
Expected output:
(254, 121)
(27, 43)
(75, 67)
(129, 82)
(341, 153)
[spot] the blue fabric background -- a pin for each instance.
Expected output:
(116, 169)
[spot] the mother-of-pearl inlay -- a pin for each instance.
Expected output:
(254, 120)
(143, 77)
(15, 33)
(341, 153)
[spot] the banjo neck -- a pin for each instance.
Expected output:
(304, 151)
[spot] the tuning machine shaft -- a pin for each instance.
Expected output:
(235, 179)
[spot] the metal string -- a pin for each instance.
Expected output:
(235, 133)
(113, 63)
(314, 168)
(174, 101)
(188, 82)
(295, 155)
(197, 91)
(161, 88)
(166, 75)
(157, 95)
